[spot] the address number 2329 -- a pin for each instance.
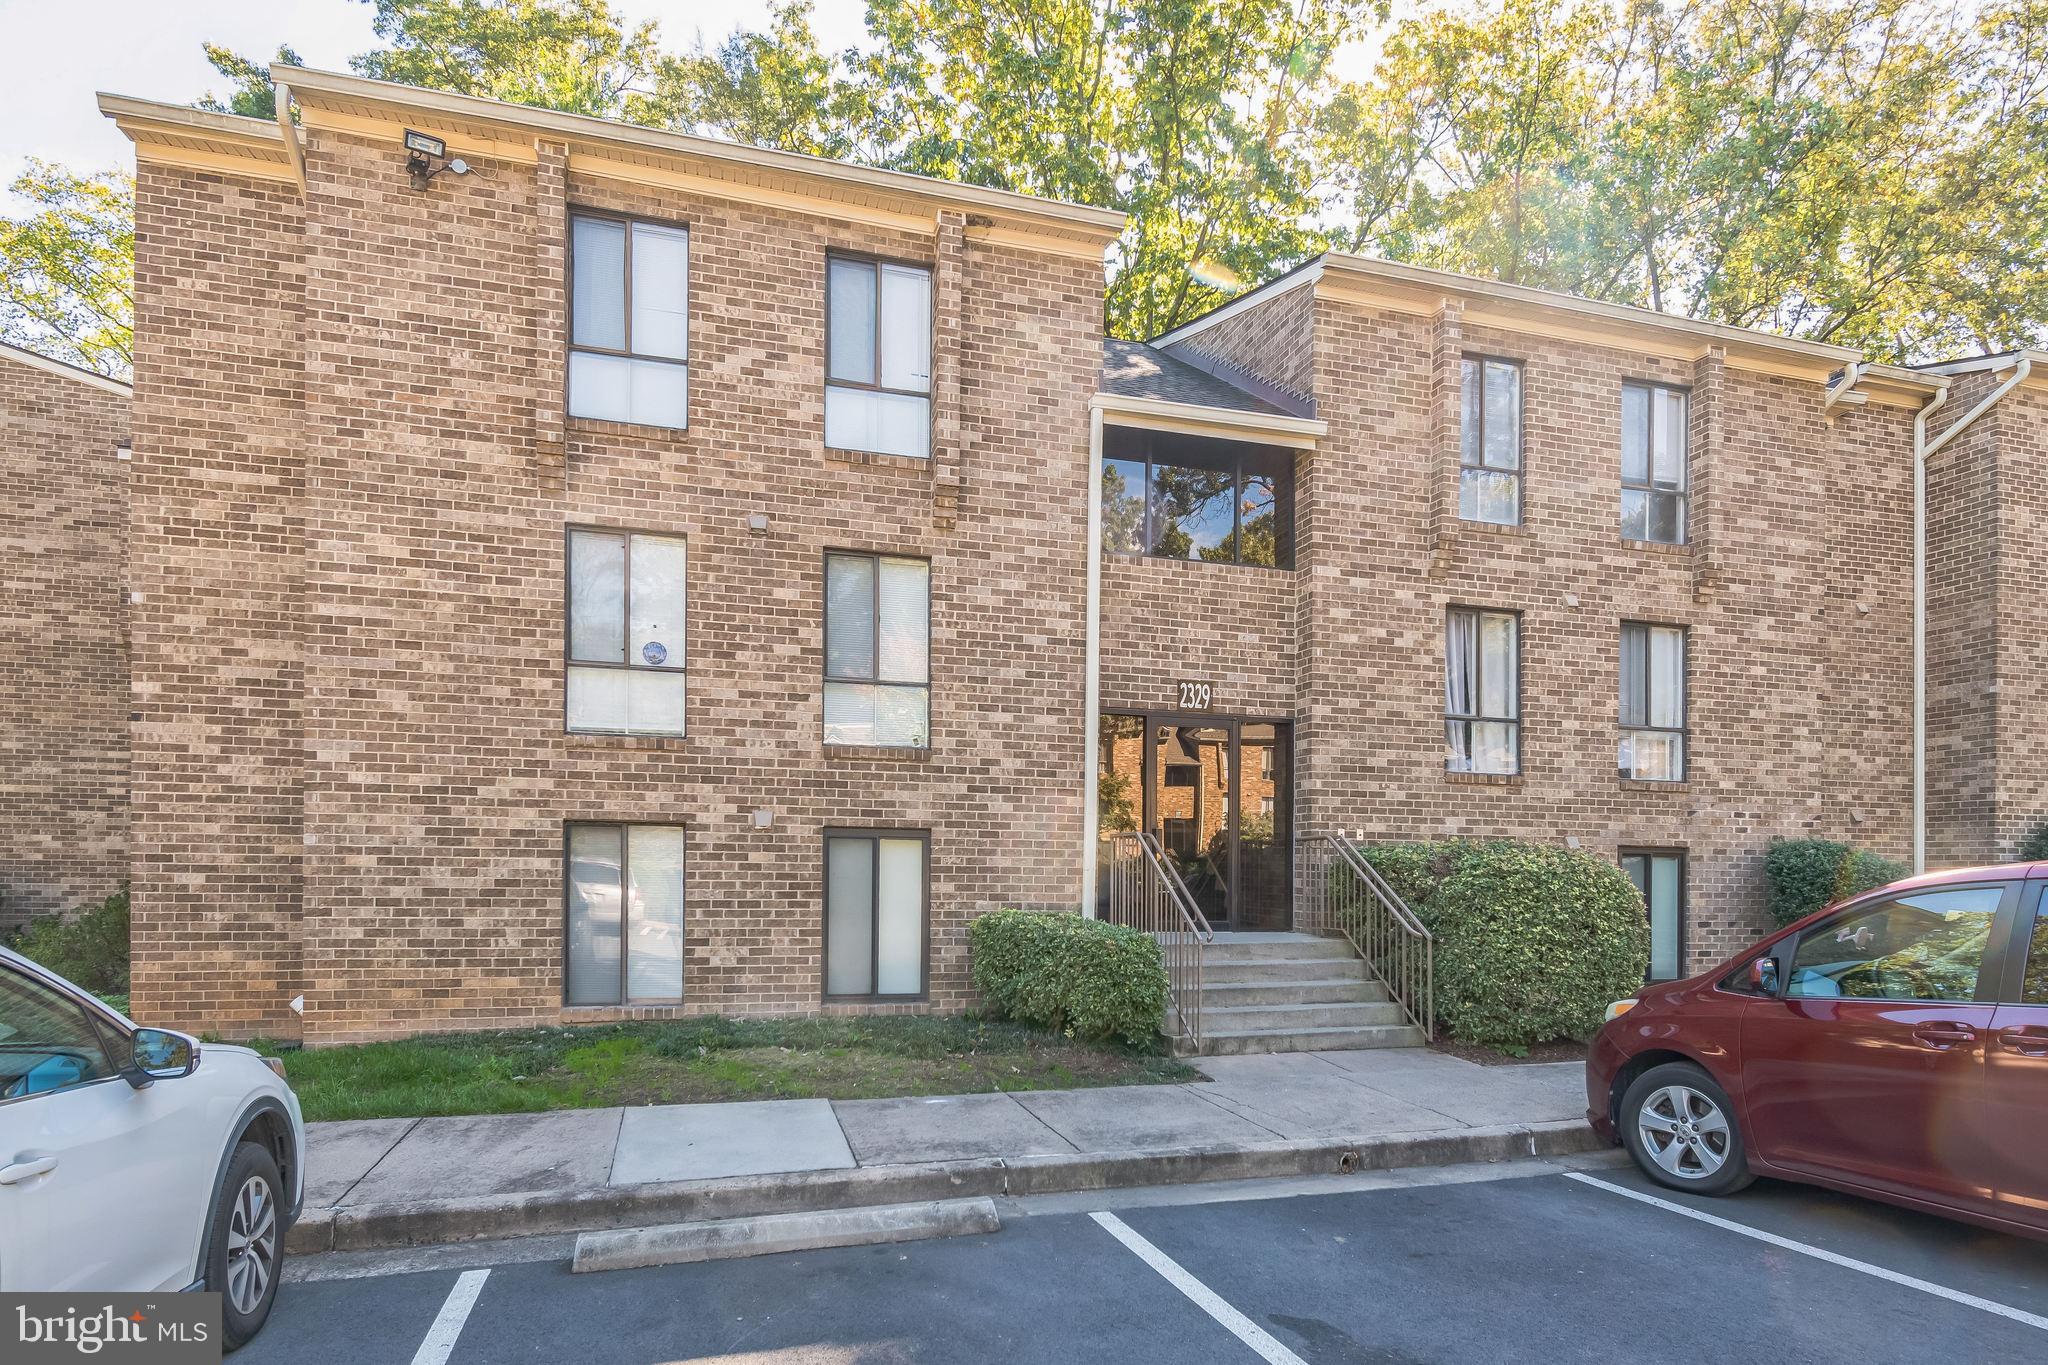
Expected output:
(1196, 696)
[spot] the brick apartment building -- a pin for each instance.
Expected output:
(63, 636)
(637, 575)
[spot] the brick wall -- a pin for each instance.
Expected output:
(2021, 433)
(216, 535)
(430, 777)
(63, 642)
(1272, 338)
(1795, 589)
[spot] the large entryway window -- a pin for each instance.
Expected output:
(1218, 792)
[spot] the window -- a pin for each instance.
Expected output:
(1652, 702)
(1653, 473)
(877, 899)
(625, 647)
(1220, 502)
(629, 321)
(1482, 706)
(624, 887)
(47, 1041)
(878, 364)
(1660, 877)
(877, 651)
(1926, 946)
(1490, 443)
(2034, 985)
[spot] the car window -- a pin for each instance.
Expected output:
(2034, 985)
(1926, 946)
(47, 1042)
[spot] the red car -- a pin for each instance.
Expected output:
(1894, 1045)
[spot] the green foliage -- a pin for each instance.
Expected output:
(2034, 848)
(254, 94)
(89, 949)
(67, 268)
(1801, 875)
(572, 55)
(1533, 942)
(1080, 977)
(1805, 875)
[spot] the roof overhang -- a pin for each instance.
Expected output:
(1190, 419)
(2003, 363)
(89, 378)
(652, 157)
(1375, 283)
(201, 140)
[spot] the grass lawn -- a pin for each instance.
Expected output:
(713, 1058)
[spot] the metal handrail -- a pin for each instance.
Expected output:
(1147, 894)
(1345, 895)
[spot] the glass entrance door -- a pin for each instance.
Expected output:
(1218, 794)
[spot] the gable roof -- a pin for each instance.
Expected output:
(78, 374)
(1132, 369)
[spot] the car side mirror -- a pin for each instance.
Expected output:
(157, 1054)
(1763, 975)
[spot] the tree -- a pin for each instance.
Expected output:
(67, 268)
(571, 55)
(254, 95)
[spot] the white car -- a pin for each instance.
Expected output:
(130, 1160)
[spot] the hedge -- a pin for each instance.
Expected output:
(2034, 848)
(1805, 875)
(89, 949)
(1080, 977)
(1533, 941)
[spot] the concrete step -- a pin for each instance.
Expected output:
(1320, 990)
(1286, 1018)
(1230, 972)
(1275, 947)
(1231, 1044)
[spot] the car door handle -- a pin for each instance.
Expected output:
(2029, 1040)
(22, 1170)
(1942, 1037)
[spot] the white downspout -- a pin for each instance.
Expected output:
(1923, 451)
(1091, 670)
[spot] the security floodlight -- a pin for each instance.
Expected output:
(422, 150)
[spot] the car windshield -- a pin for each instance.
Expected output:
(1928, 946)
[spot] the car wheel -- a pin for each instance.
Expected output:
(1681, 1129)
(245, 1246)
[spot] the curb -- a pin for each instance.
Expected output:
(362, 1227)
(730, 1238)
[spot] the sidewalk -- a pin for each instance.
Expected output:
(396, 1182)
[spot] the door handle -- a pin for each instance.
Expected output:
(1943, 1037)
(2029, 1040)
(22, 1170)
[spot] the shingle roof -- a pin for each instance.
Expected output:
(1131, 369)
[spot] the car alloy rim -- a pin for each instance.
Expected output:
(1684, 1132)
(252, 1244)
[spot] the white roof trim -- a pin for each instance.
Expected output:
(1307, 274)
(1158, 414)
(64, 371)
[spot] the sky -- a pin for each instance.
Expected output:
(56, 54)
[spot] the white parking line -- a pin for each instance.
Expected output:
(1940, 1291)
(1246, 1331)
(448, 1323)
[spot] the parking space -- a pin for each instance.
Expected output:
(1547, 1267)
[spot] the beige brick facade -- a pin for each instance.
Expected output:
(353, 480)
(63, 638)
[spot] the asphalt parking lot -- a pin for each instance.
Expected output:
(1531, 1263)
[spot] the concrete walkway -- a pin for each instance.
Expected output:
(1301, 1102)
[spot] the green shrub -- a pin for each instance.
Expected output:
(1805, 875)
(1533, 942)
(1079, 977)
(2034, 848)
(90, 949)
(1865, 871)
